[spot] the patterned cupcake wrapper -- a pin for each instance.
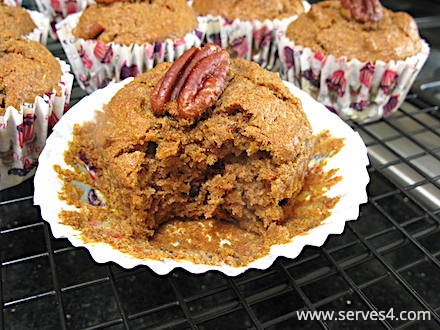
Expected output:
(96, 64)
(350, 162)
(361, 91)
(57, 10)
(253, 40)
(23, 131)
(41, 32)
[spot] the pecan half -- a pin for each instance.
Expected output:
(195, 81)
(364, 11)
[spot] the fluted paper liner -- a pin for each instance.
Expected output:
(96, 64)
(351, 162)
(253, 40)
(23, 131)
(57, 10)
(361, 91)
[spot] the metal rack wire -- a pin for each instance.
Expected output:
(388, 258)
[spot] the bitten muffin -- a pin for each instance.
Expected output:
(247, 28)
(110, 42)
(236, 150)
(356, 57)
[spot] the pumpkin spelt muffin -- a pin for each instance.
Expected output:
(15, 21)
(240, 161)
(329, 28)
(128, 23)
(354, 56)
(110, 42)
(249, 9)
(34, 93)
(27, 70)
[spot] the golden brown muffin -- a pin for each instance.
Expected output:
(249, 9)
(15, 21)
(240, 161)
(127, 23)
(331, 29)
(27, 70)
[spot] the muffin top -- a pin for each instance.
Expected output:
(27, 70)
(15, 21)
(249, 9)
(127, 23)
(332, 28)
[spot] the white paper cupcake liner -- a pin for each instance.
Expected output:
(351, 163)
(95, 63)
(361, 91)
(23, 131)
(253, 40)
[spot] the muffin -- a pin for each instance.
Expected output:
(57, 10)
(198, 166)
(357, 59)
(112, 41)
(213, 154)
(35, 92)
(16, 21)
(247, 28)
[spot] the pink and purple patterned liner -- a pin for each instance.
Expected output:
(23, 131)
(96, 64)
(361, 91)
(250, 39)
(57, 10)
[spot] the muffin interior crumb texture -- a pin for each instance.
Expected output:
(325, 28)
(239, 176)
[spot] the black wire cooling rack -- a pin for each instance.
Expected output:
(386, 262)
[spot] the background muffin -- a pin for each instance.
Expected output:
(357, 61)
(113, 41)
(247, 28)
(57, 10)
(16, 21)
(35, 90)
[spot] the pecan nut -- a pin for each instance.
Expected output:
(364, 11)
(195, 81)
